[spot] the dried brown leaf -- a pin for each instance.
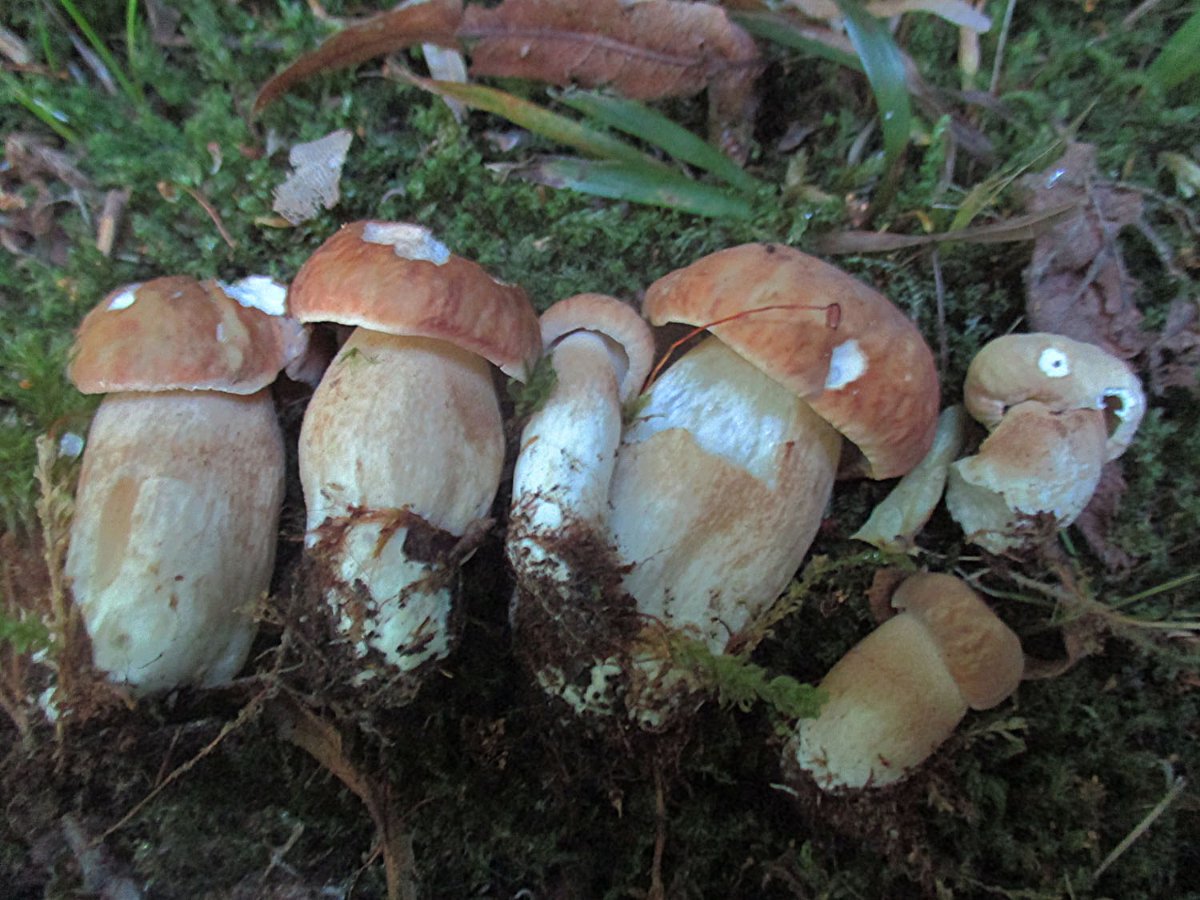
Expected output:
(643, 51)
(1175, 353)
(313, 183)
(1076, 282)
(1097, 518)
(433, 22)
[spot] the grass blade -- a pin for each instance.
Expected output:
(620, 181)
(1178, 60)
(131, 90)
(884, 66)
(51, 118)
(542, 121)
(811, 40)
(654, 128)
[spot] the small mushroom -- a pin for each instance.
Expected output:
(1058, 410)
(901, 691)
(558, 542)
(402, 444)
(176, 515)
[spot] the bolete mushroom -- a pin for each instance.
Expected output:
(567, 576)
(1058, 410)
(402, 444)
(901, 691)
(722, 476)
(176, 515)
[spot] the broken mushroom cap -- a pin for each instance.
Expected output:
(898, 694)
(1060, 373)
(842, 346)
(612, 319)
(397, 278)
(980, 652)
(177, 333)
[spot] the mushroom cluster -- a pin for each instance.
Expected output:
(718, 484)
(173, 540)
(402, 444)
(1057, 410)
(901, 691)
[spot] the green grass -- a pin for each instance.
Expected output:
(1028, 800)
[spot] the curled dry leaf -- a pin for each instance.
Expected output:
(643, 51)
(1076, 283)
(313, 183)
(896, 521)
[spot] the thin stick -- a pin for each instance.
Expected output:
(1000, 45)
(1143, 826)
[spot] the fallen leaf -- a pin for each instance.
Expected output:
(1076, 282)
(956, 11)
(644, 51)
(313, 183)
(434, 22)
(1097, 518)
(1175, 353)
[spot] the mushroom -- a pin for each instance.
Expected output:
(173, 538)
(402, 444)
(901, 691)
(1058, 410)
(722, 476)
(558, 544)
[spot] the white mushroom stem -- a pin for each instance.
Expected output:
(569, 446)
(719, 489)
(173, 541)
(398, 426)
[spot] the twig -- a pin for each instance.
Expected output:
(1000, 46)
(657, 890)
(1143, 826)
(939, 286)
(212, 214)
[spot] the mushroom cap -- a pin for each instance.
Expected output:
(397, 278)
(865, 369)
(980, 651)
(177, 333)
(1061, 373)
(1036, 462)
(611, 318)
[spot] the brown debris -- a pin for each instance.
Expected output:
(1175, 353)
(1076, 283)
(1098, 516)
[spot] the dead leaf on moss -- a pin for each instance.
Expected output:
(434, 22)
(1076, 283)
(644, 51)
(1175, 353)
(1097, 518)
(313, 183)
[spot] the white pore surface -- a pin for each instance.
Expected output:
(408, 241)
(258, 292)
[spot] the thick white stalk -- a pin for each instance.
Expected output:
(719, 489)
(399, 427)
(173, 541)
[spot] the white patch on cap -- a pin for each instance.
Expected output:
(408, 241)
(1054, 363)
(125, 299)
(846, 365)
(258, 292)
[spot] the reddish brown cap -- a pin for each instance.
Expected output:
(843, 347)
(397, 278)
(176, 333)
(615, 320)
(979, 650)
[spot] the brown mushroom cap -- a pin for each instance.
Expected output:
(397, 278)
(870, 375)
(1058, 372)
(611, 318)
(176, 333)
(979, 650)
